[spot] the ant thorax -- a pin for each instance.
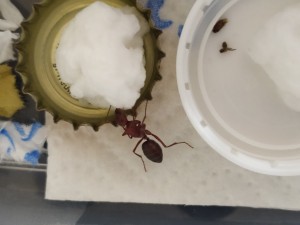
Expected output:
(135, 129)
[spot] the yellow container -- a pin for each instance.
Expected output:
(36, 49)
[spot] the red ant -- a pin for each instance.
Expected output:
(137, 129)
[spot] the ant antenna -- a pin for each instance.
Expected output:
(145, 111)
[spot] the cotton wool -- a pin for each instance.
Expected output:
(276, 48)
(101, 55)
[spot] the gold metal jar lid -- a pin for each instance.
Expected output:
(36, 48)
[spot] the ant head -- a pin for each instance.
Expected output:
(120, 117)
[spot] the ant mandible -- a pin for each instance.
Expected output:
(137, 129)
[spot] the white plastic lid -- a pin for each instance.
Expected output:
(229, 100)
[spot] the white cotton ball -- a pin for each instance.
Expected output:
(101, 55)
(276, 47)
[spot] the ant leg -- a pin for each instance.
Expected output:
(139, 154)
(167, 146)
(145, 111)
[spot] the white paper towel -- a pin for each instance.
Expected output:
(100, 166)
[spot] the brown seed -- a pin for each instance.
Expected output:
(225, 48)
(224, 45)
(219, 25)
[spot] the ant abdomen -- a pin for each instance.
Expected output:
(152, 151)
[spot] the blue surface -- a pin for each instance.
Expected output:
(155, 6)
(34, 128)
(180, 28)
(5, 133)
(32, 157)
(23, 140)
